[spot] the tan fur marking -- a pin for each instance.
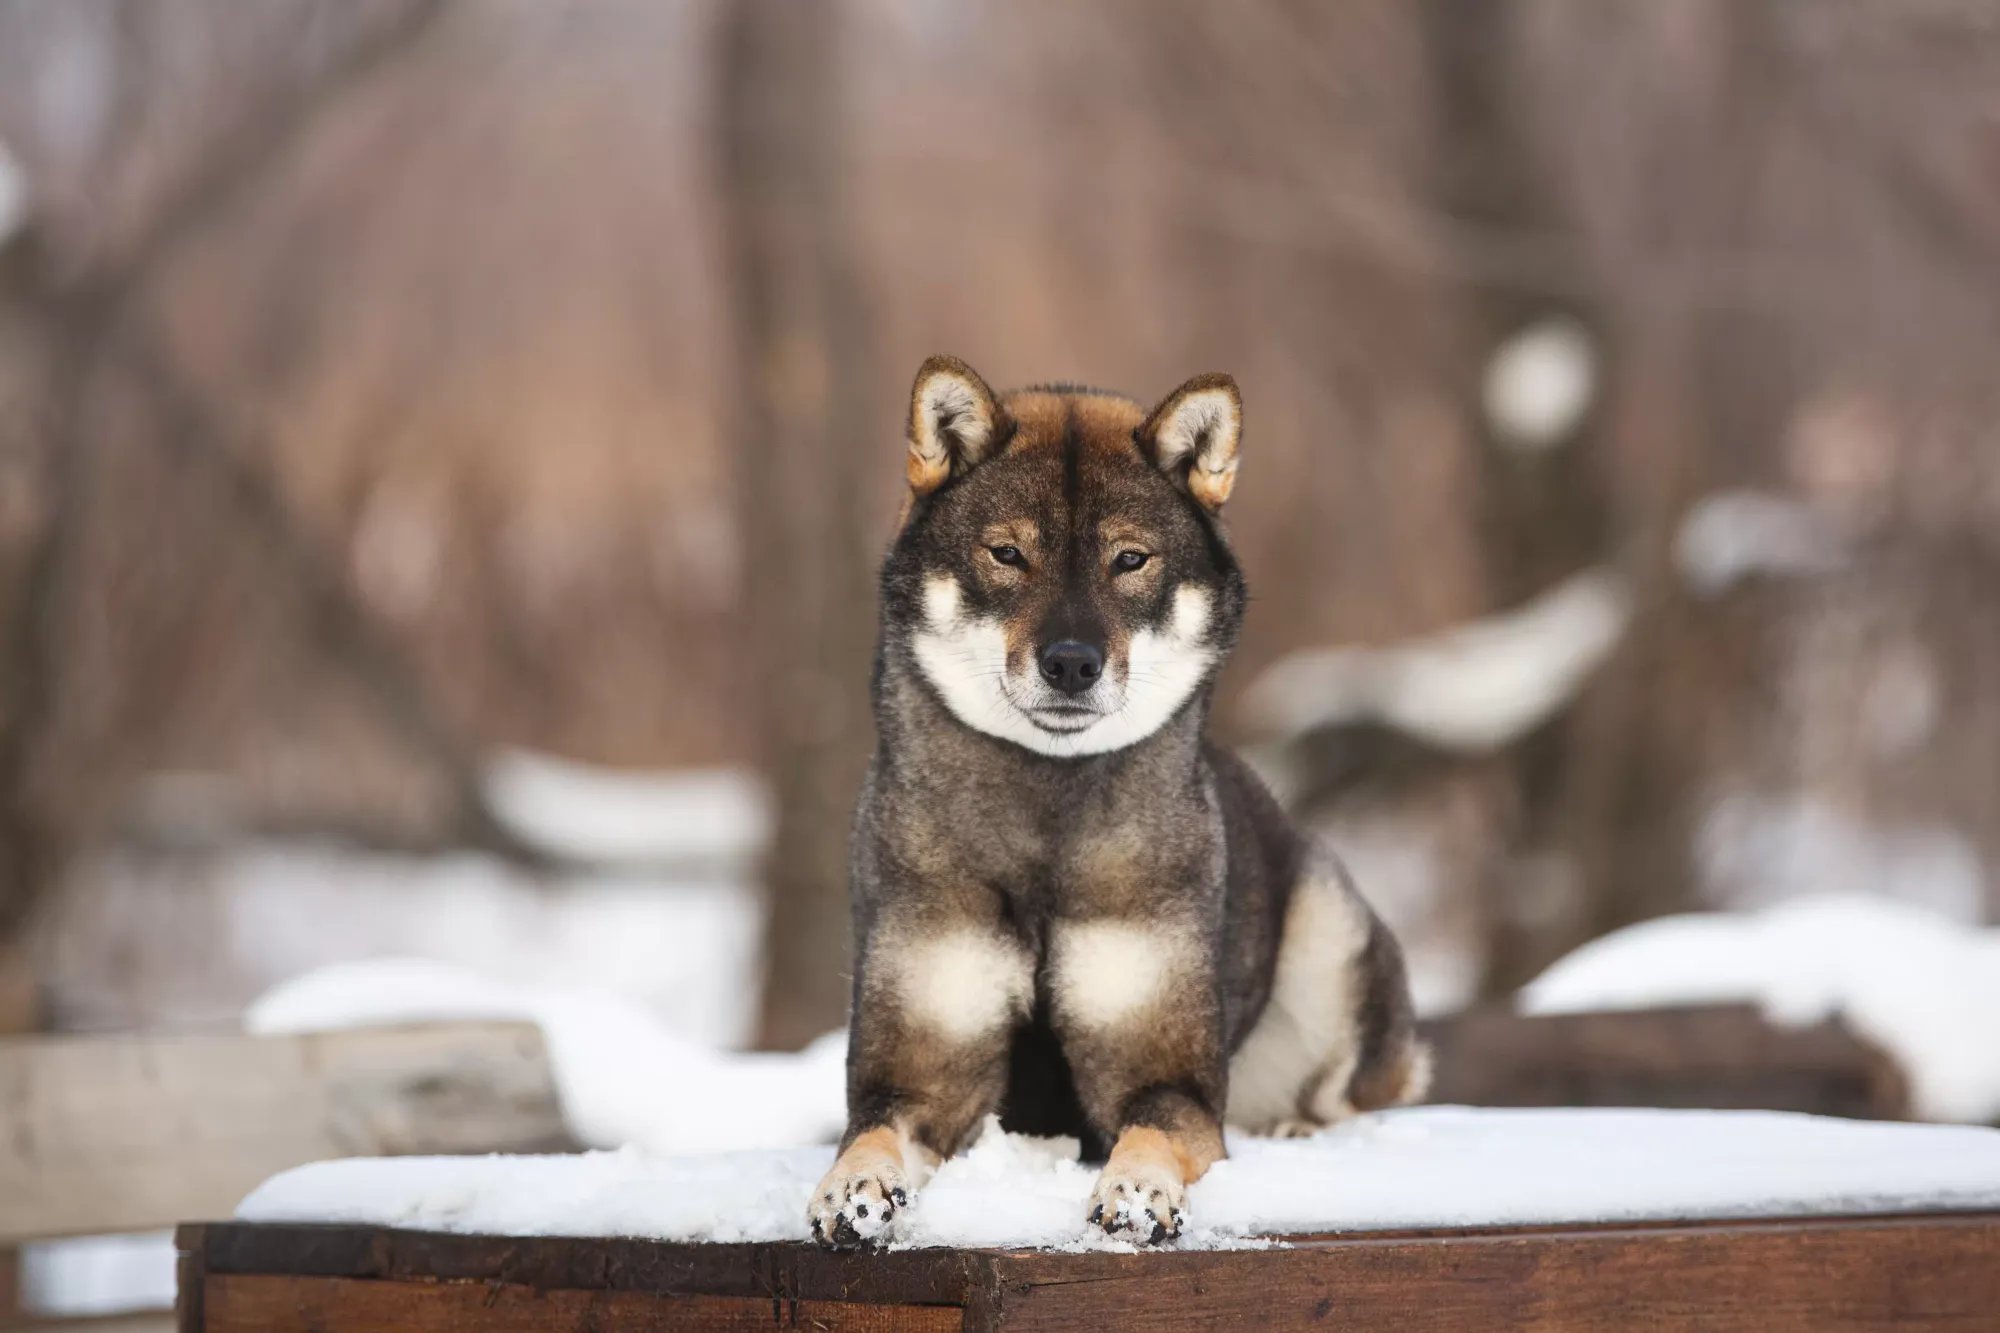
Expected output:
(872, 1153)
(1404, 1082)
(926, 473)
(1143, 1186)
(1211, 488)
(1103, 420)
(964, 984)
(1112, 971)
(1187, 1159)
(1020, 532)
(881, 1151)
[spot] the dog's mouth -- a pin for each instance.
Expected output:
(1062, 717)
(1057, 714)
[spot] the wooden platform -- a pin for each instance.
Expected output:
(1934, 1272)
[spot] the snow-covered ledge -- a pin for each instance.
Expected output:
(1425, 1167)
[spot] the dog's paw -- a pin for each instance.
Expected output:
(853, 1208)
(1296, 1128)
(1138, 1201)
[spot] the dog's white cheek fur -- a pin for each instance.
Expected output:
(965, 660)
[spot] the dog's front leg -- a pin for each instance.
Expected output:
(934, 1012)
(1139, 1012)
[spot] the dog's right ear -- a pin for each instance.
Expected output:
(955, 423)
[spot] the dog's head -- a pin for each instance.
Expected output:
(1060, 579)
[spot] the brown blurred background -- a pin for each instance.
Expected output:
(389, 388)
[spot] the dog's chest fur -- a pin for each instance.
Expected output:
(1015, 839)
(1168, 835)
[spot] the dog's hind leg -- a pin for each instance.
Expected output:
(1394, 1066)
(1338, 1034)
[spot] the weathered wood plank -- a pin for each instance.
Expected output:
(110, 1134)
(145, 1321)
(760, 1272)
(190, 1268)
(1932, 1274)
(240, 1303)
(1724, 1057)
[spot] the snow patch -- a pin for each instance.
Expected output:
(1539, 384)
(687, 948)
(142, 939)
(623, 1076)
(1408, 874)
(1729, 536)
(1422, 1167)
(1755, 849)
(98, 1276)
(1475, 687)
(718, 819)
(1922, 987)
(13, 194)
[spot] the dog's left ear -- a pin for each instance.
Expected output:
(1192, 437)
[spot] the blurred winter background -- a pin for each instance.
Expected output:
(444, 448)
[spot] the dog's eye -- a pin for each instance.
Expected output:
(1008, 555)
(1127, 561)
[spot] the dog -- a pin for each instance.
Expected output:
(1069, 906)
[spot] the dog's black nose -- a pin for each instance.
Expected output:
(1072, 667)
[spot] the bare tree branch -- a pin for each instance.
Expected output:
(348, 631)
(80, 315)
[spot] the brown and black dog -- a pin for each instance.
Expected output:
(1069, 906)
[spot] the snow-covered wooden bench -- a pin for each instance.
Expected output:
(1820, 1275)
(1437, 1218)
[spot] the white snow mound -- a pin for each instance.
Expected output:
(718, 817)
(1472, 688)
(623, 1076)
(1924, 988)
(1422, 1167)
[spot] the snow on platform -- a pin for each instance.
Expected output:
(1424, 1167)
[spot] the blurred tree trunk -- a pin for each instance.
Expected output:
(22, 868)
(802, 342)
(1609, 792)
(1543, 511)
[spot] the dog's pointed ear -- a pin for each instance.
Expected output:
(1192, 436)
(955, 423)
